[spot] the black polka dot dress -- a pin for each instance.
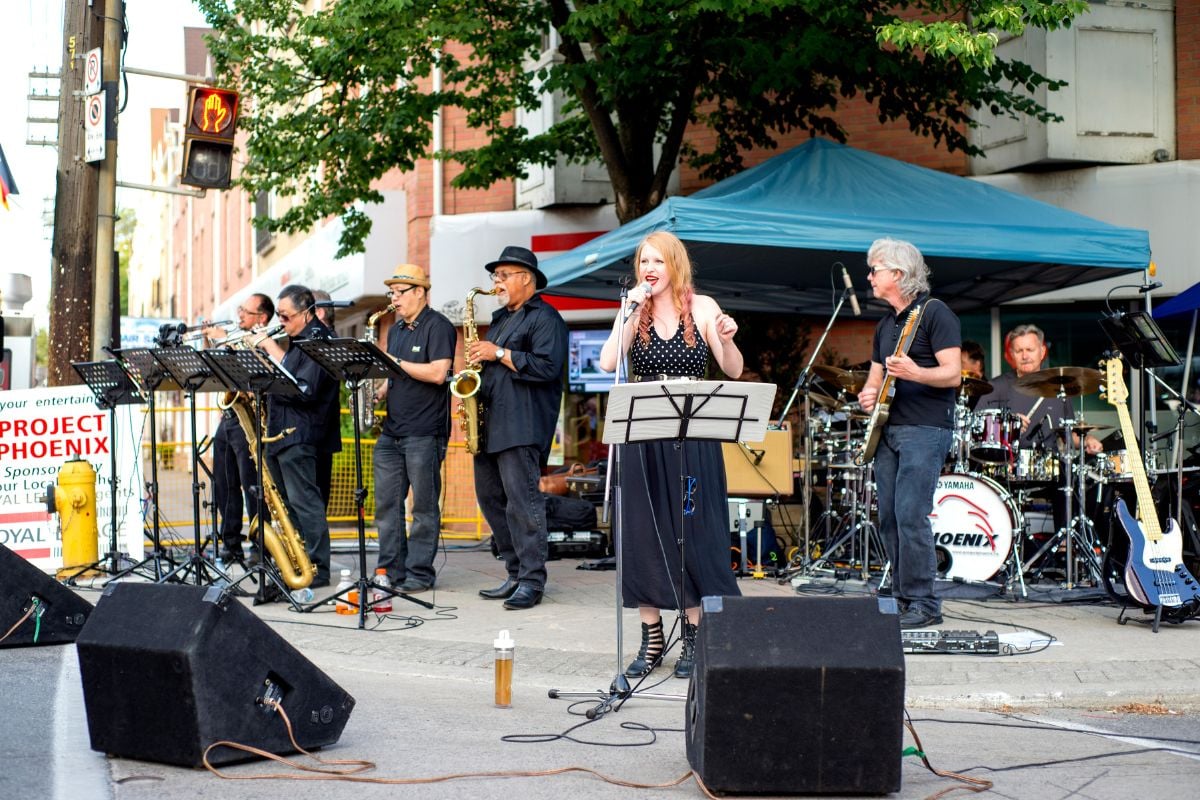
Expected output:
(655, 500)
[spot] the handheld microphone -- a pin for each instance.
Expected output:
(333, 304)
(633, 304)
(850, 288)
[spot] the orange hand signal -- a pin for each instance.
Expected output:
(216, 112)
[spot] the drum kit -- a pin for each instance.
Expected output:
(991, 483)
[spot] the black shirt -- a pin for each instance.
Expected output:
(521, 408)
(1045, 414)
(917, 403)
(314, 413)
(416, 407)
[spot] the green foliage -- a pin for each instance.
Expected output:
(123, 234)
(335, 99)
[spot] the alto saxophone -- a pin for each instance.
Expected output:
(367, 421)
(465, 385)
(280, 538)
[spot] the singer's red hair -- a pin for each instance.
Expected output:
(679, 272)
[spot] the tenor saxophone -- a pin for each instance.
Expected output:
(280, 538)
(465, 385)
(367, 421)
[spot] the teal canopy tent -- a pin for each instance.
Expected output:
(767, 239)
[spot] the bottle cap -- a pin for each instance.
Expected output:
(381, 571)
(505, 642)
(345, 573)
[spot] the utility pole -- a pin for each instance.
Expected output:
(75, 205)
(105, 316)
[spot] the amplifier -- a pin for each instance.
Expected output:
(761, 469)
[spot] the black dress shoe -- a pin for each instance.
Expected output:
(524, 597)
(502, 591)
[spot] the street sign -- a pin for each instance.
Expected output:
(93, 127)
(91, 71)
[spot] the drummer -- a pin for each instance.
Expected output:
(1025, 351)
(972, 366)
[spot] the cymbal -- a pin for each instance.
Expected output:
(823, 400)
(851, 381)
(974, 387)
(1072, 381)
(1088, 427)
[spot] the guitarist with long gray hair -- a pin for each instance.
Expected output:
(915, 368)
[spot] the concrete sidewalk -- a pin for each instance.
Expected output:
(1058, 721)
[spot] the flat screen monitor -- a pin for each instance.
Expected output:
(583, 362)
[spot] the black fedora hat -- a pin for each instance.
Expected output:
(521, 257)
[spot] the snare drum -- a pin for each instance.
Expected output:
(973, 522)
(1035, 466)
(1114, 465)
(993, 434)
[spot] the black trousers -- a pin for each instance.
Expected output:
(235, 481)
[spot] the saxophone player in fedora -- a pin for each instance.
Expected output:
(522, 362)
(412, 444)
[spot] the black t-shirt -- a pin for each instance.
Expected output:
(419, 408)
(916, 403)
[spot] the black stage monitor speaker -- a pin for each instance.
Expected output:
(797, 695)
(168, 670)
(60, 615)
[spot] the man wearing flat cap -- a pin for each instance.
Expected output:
(412, 444)
(522, 360)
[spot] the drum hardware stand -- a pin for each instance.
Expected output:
(802, 382)
(354, 361)
(112, 388)
(860, 532)
(724, 411)
(1073, 487)
(193, 374)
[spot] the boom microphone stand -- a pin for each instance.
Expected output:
(802, 382)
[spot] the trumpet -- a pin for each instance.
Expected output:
(237, 338)
(195, 333)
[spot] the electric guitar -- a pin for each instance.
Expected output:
(887, 390)
(1154, 573)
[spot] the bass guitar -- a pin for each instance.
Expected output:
(887, 390)
(1154, 573)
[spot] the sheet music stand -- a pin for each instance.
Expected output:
(112, 388)
(1139, 339)
(355, 361)
(253, 372)
(193, 374)
(721, 411)
(150, 377)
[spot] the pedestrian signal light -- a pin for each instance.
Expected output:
(208, 137)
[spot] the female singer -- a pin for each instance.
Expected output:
(668, 337)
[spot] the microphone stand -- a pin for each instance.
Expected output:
(802, 382)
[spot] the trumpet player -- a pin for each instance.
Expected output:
(522, 362)
(234, 476)
(412, 444)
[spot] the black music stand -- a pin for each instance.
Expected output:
(253, 372)
(354, 361)
(112, 388)
(193, 374)
(150, 377)
(722, 411)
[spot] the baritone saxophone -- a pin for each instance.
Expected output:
(280, 538)
(465, 385)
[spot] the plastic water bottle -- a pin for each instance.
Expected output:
(504, 669)
(381, 602)
(343, 604)
(303, 596)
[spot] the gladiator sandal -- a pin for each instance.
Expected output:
(651, 653)
(687, 656)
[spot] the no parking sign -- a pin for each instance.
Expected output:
(93, 127)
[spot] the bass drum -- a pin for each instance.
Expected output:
(974, 520)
